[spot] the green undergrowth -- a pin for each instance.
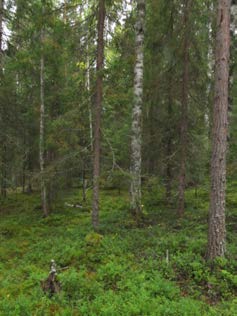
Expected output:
(155, 269)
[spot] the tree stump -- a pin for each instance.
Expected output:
(51, 285)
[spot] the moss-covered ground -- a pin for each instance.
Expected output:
(156, 269)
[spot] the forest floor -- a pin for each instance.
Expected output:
(156, 269)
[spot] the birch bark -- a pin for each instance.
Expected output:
(42, 130)
(136, 158)
(3, 141)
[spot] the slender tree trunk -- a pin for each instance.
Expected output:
(136, 158)
(84, 183)
(88, 85)
(89, 97)
(233, 50)
(210, 66)
(65, 11)
(29, 188)
(4, 171)
(98, 110)
(216, 228)
(24, 164)
(152, 127)
(184, 113)
(169, 176)
(3, 140)
(42, 131)
(1, 30)
(169, 147)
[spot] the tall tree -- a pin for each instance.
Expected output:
(42, 122)
(1, 28)
(136, 158)
(169, 147)
(98, 110)
(3, 140)
(184, 110)
(216, 230)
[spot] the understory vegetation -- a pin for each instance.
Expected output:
(158, 268)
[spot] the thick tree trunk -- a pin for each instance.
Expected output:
(216, 229)
(42, 133)
(98, 110)
(184, 113)
(136, 158)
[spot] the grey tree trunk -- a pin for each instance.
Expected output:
(136, 158)
(216, 227)
(42, 131)
(98, 110)
(184, 112)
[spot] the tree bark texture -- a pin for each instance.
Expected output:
(233, 50)
(216, 229)
(98, 110)
(184, 112)
(3, 140)
(42, 132)
(136, 143)
(1, 28)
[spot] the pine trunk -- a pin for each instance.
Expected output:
(216, 228)
(136, 158)
(98, 110)
(184, 113)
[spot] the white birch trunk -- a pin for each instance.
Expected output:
(137, 112)
(1, 29)
(3, 140)
(42, 131)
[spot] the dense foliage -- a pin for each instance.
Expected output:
(69, 51)
(81, 74)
